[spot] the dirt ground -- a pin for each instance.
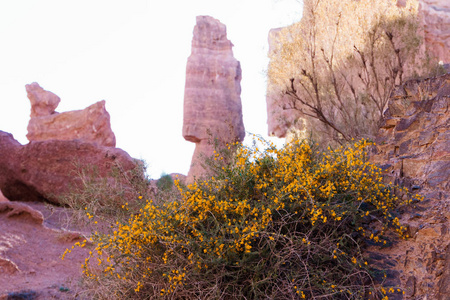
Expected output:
(33, 237)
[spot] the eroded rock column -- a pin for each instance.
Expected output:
(212, 103)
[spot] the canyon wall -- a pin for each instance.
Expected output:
(413, 149)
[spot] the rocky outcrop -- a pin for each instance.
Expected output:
(16, 208)
(45, 170)
(43, 103)
(414, 140)
(91, 124)
(212, 103)
(413, 149)
(435, 19)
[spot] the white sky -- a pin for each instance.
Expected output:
(133, 54)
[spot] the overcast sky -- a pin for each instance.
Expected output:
(133, 55)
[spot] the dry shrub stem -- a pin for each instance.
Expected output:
(339, 65)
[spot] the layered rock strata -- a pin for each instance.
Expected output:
(413, 149)
(45, 170)
(212, 103)
(91, 124)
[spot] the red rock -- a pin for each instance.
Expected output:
(212, 103)
(19, 209)
(45, 170)
(91, 124)
(419, 157)
(43, 103)
(30, 256)
(3, 198)
(202, 150)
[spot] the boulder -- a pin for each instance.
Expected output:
(91, 124)
(212, 103)
(45, 170)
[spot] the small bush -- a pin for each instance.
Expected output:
(165, 182)
(272, 224)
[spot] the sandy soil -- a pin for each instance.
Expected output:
(32, 241)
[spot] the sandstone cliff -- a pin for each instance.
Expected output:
(212, 103)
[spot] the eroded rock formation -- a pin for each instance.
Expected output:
(43, 103)
(91, 124)
(413, 149)
(44, 170)
(212, 103)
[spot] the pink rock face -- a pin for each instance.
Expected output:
(212, 91)
(212, 103)
(43, 103)
(436, 20)
(44, 170)
(91, 124)
(413, 149)
(197, 170)
(2, 197)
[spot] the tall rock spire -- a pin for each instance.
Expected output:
(212, 103)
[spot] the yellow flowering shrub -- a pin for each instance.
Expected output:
(284, 223)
